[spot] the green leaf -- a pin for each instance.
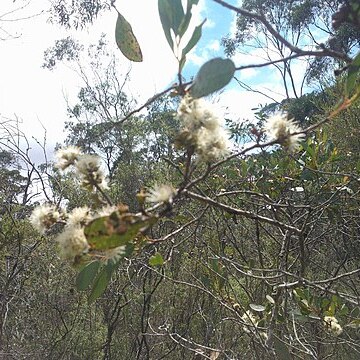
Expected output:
(186, 19)
(177, 15)
(156, 260)
(182, 63)
(212, 76)
(171, 16)
(194, 39)
(257, 308)
(281, 350)
(299, 316)
(331, 309)
(87, 275)
(166, 20)
(325, 303)
(109, 232)
(308, 175)
(126, 40)
(100, 283)
(352, 76)
(344, 310)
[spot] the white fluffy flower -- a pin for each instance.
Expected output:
(67, 156)
(106, 211)
(115, 254)
(332, 325)
(88, 163)
(89, 169)
(72, 242)
(79, 216)
(161, 193)
(202, 129)
(196, 113)
(44, 216)
(212, 144)
(280, 128)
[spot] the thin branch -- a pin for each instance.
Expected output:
(260, 17)
(240, 212)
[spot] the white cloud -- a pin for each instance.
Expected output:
(249, 74)
(238, 104)
(200, 56)
(209, 24)
(214, 45)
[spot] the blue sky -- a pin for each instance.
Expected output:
(36, 96)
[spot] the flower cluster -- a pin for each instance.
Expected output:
(79, 216)
(280, 128)
(332, 325)
(87, 166)
(44, 216)
(202, 130)
(89, 169)
(72, 242)
(161, 194)
(67, 156)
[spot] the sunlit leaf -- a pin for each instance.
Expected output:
(126, 40)
(212, 76)
(156, 260)
(87, 275)
(355, 324)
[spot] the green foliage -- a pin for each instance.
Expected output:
(348, 13)
(77, 13)
(115, 230)
(175, 20)
(156, 260)
(87, 275)
(212, 76)
(66, 49)
(171, 16)
(353, 76)
(101, 282)
(126, 40)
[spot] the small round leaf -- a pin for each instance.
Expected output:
(257, 308)
(212, 76)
